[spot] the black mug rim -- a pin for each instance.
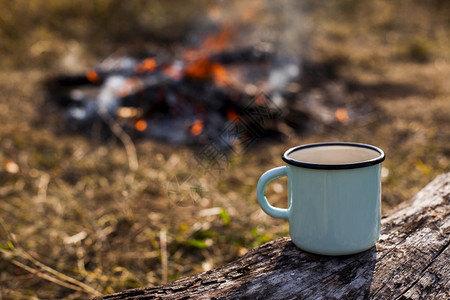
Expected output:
(360, 164)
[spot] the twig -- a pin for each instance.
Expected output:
(46, 276)
(6, 293)
(124, 138)
(58, 277)
(64, 277)
(43, 186)
(65, 280)
(164, 258)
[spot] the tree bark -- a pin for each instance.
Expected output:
(410, 261)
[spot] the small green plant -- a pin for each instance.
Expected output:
(225, 217)
(259, 239)
(201, 239)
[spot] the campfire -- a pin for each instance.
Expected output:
(210, 93)
(183, 100)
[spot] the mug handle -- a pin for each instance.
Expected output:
(279, 213)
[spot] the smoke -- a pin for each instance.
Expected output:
(281, 25)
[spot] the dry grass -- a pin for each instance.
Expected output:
(76, 221)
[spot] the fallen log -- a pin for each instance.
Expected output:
(410, 261)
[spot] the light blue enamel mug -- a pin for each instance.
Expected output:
(334, 196)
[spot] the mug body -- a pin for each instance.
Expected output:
(334, 212)
(334, 197)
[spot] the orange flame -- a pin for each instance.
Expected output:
(147, 65)
(197, 127)
(199, 66)
(92, 76)
(217, 42)
(341, 115)
(220, 75)
(140, 125)
(207, 70)
(199, 69)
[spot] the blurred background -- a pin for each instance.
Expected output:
(187, 104)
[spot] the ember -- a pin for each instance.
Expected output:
(341, 115)
(141, 125)
(147, 65)
(92, 76)
(197, 128)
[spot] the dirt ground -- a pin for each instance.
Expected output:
(75, 221)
